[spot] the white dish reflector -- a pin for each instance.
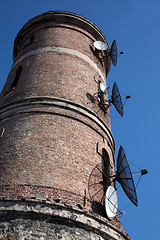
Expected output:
(100, 45)
(111, 204)
(104, 88)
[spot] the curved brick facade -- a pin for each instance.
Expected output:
(52, 129)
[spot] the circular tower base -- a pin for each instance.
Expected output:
(31, 219)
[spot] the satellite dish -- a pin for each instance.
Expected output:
(114, 53)
(111, 204)
(116, 99)
(100, 192)
(96, 186)
(124, 176)
(104, 88)
(100, 45)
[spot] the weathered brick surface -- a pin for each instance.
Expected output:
(58, 74)
(51, 74)
(51, 149)
(48, 220)
(51, 121)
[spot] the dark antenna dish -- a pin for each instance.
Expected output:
(124, 176)
(114, 53)
(97, 186)
(116, 99)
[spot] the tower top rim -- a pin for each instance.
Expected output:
(59, 17)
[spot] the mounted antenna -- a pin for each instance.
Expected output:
(114, 53)
(124, 176)
(97, 184)
(111, 204)
(104, 88)
(99, 45)
(116, 99)
(101, 192)
(99, 94)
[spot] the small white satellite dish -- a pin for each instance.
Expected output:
(100, 45)
(111, 204)
(104, 88)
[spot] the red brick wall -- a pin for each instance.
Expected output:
(48, 145)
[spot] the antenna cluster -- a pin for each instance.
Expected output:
(116, 99)
(100, 189)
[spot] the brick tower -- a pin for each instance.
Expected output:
(53, 132)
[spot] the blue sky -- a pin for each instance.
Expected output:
(136, 27)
